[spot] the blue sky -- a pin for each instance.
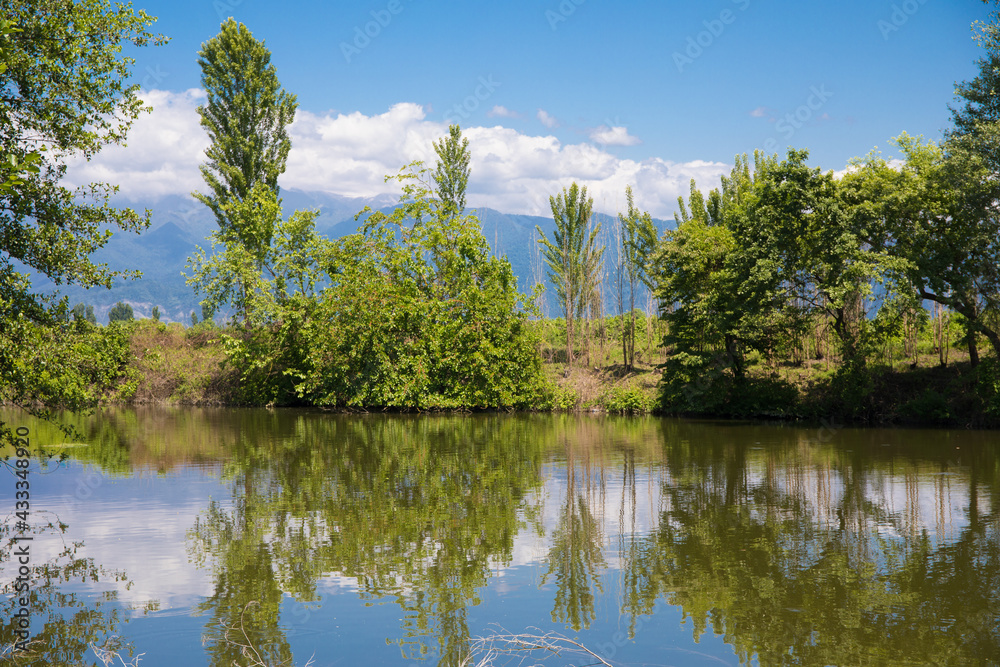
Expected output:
(648, 93)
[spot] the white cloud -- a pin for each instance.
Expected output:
(547, 120)
(500, 111)
(760, 112)
(350, 154)
(162, 152)
(613, 136)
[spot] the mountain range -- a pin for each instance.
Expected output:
(178, 224)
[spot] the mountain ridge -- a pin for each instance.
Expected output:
(178, 225)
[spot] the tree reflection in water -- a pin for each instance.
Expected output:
(67, 625)
(794, 555)
(415, 509)
(870, 547)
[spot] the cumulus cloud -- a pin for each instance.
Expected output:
(500, 111)
(547, 120)
(613, 136)
(349, 154)
(162, 152)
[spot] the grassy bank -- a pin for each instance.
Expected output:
(187, 366)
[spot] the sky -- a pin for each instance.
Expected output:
(548, 92)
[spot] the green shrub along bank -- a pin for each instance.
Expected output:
(210, 365)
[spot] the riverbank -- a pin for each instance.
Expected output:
(173, 364)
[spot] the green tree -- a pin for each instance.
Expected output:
(573, 256)
(934, 215)
(452, 172)
(84, 313)
(419, 314)
(971, 165)
(638, 246)
(156, 313)
(121, 312)
(246, 117)
(65, 94)
(977, 109)
(695, 274)
(207, 313)
(14, 161)
(274, 290)
(802, 251)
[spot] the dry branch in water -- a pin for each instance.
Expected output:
(525, 646)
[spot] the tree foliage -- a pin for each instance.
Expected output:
(64, 93)
(638, 245)
(419, 314)
(246, 117)
(752, 265)
(84, 313)
(121, 312)
(936, 215)
(452, 171)
(573, 255)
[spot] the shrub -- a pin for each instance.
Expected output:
(626, 401)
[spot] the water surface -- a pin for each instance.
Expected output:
(221, 537)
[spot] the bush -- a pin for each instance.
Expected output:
(929, 407)
(763, 397)
(121, 312)
(626, 401)
(555, 397)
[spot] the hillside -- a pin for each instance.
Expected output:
(180, 224)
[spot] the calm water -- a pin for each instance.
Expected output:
(221, 537)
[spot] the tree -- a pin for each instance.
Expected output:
(84, 313)
(246, 117)
(803, 250)
(638, 245)
(452, 172)
(156, 313)
(417, 314)
(207, 313)
(573, 257)
(255, 279)
(121, 312)
(694, 272)
(978, 107)
(65, 93)
(971, 162)
(936, 215)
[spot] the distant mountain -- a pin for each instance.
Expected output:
(179, 224)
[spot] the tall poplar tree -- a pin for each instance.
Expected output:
(246, 117)
(638, 244)
(452, 172)
(573, 256)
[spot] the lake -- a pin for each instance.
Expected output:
(276, 537)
